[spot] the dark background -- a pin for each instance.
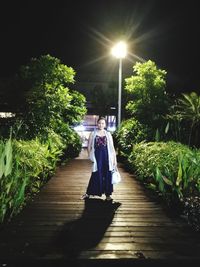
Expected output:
(81, 34)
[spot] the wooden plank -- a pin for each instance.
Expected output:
(59, 224)
(113, 254)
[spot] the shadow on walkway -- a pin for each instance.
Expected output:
(87, 231)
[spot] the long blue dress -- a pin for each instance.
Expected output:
(100, 181)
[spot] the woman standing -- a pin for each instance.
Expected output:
(102, 153)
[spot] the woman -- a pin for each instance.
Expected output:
(101, 152)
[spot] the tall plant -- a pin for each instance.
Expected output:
(149, 99)
(6, 164)
(169, 167)
(189, 109)
(187, 112)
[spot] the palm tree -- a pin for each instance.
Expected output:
(189, 110)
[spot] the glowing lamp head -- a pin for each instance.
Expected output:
(119, 50)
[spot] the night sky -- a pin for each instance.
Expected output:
(81, 34)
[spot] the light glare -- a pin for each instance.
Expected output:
(119, 50)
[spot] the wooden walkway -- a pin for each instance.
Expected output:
(59, 225)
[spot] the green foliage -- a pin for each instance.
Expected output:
(74, 145)
(185, 112)
(149, 100)
(46, 70)
(49, 102)
(189, 106)
(43, 135)
(74, 113)
(171, 168)
(130, 132)
(44, 108)
(5, 158)
(157, 136)
(25, 167)
(6, 166)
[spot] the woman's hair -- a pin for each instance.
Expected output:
(101, 118)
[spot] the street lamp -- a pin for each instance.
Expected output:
(119, 51)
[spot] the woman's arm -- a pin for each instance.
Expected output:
(113, 150)
(89, 144)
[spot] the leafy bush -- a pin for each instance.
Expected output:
(184, 119)
(172, 169)
(49, 103)
(74, 144)
(25, 167)
(130, 132)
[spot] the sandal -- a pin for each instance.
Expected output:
(85, 196)
(109, 198)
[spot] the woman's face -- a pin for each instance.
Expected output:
(101, 124)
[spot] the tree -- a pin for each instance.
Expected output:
(149, 101)
(49, 102)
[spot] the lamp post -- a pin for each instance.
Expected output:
(119, 51)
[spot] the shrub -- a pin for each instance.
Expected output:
(130, 132)
(171, 169)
